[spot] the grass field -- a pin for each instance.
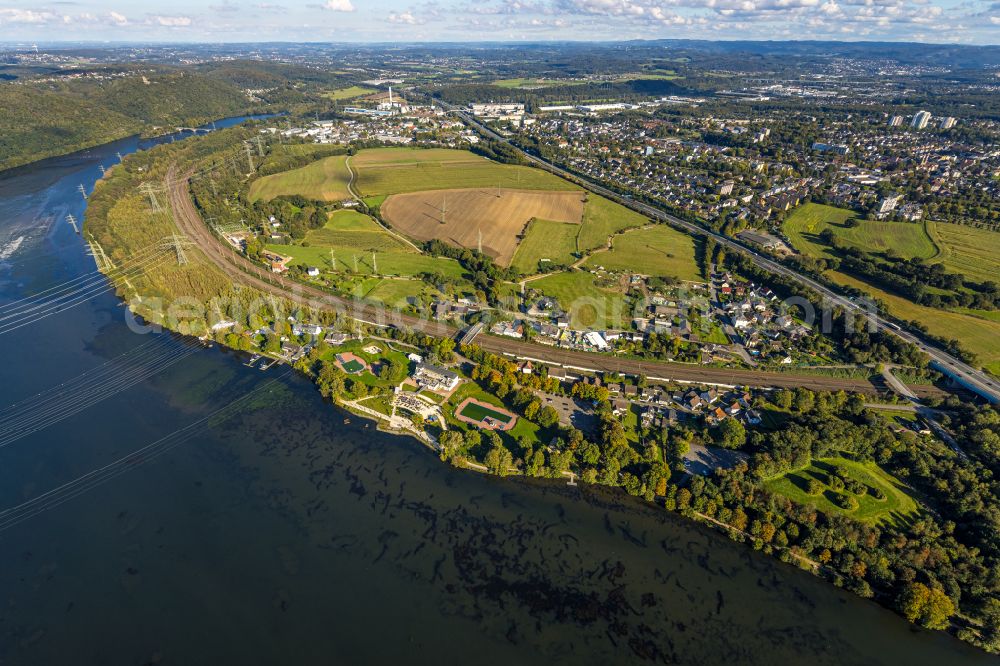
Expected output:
(535, 83)
(347, 93)
(351, 229)
(477, 412)
(658, 250)
(588, 305)
(651, 75)
(383, 171)
(352, 235)
(967, 250)
(396, 292)
(978, 335)
(897, 507)
(807, 222)
(601, 218)
(961, 249)
(324, 180)
(469, 213)
(545, 239)
(389, 263)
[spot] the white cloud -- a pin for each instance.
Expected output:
(117, 19)
(405, 18)
(171, 21)
(338, 6)
(26, 16)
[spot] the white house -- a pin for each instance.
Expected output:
(596, 340)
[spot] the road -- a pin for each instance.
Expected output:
(972, 378)
(241, 270)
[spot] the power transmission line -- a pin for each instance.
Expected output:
(147, 189)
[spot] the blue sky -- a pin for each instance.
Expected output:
(963, 21)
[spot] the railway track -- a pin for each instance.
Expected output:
(241, 270)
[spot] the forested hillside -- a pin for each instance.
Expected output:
(39, 120)
(38, 123)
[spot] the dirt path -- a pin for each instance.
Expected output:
(357, 196)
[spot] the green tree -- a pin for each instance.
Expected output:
(548, 416)
(536, 464)
(451, 444)
(731, 434)
(394, 370)
(928, 607)
(498, 460)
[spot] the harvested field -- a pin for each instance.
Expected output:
(471, 211)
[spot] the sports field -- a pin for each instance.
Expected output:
(659, 250)
(460, 216)
(383, 171)
(484, 415)
(546, 240)
(808, 221)
(601, 219)
(351, 363)
(323, 180)
(588, 305)
(897, 507)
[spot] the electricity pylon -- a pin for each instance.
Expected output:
(147, 189)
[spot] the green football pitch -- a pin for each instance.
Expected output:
(477, 412)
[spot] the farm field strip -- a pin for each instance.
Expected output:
(460, 216)
(978, 335)
(808, 221)
(546, 240)
(659, 250)
(967, 250)
(323, 180)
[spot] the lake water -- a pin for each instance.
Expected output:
(179, 531)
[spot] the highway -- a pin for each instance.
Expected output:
(243, 271)
(975, 380)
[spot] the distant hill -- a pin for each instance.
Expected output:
(43, 119)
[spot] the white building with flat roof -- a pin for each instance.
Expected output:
(494, 110)
(920, 119)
